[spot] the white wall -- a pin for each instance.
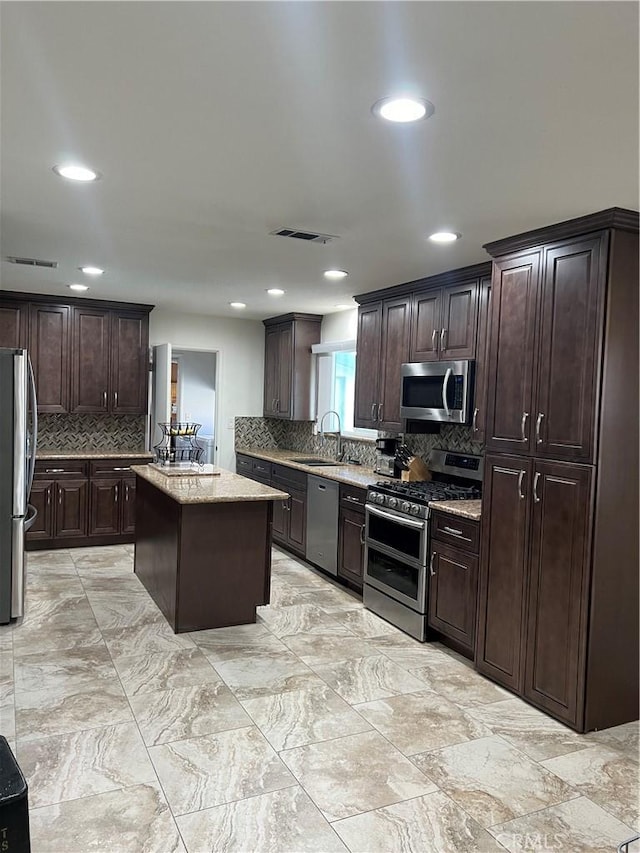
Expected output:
(196, 388)
(240, 344)
(340, 326)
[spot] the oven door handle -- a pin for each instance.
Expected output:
(445, 388)
(405, 522)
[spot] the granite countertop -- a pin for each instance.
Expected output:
(466, 509)
(196, 489)
(93, 454)
(350, 475)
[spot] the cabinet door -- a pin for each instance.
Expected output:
(297, 532)
(351, 546)
(271, 370)
(512, 359)
(558, 589)
(71, 508)
(49, 343)
(482, 353)
(395, 352)
(284, 400)
(426, 326)
(90, 360)
(506, 500)
(14, 325)
(459, 312)
(280, 518)
(573, 288)
(128, 506)
(367, 383)
(129, 361)
(105, 506)
(41, 497)
(453, 587)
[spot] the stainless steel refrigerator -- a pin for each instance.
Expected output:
(18, 439)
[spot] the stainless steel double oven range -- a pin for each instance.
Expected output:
(397, 550)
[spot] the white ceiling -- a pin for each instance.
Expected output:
(214, 123)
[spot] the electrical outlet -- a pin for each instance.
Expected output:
(230, 423)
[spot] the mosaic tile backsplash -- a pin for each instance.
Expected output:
(91, 432)
(268, 433)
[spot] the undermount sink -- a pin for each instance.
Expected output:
(315, 463)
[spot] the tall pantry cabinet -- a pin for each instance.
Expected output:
(558, 600)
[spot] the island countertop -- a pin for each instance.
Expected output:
(227, 487)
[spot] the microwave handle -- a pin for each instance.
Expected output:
(445, 386)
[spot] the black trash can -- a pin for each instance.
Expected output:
(14, 804)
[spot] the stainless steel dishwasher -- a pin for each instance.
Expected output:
(323, 497)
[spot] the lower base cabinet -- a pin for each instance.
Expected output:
(351, 531)
(42, 498)
(71, 509)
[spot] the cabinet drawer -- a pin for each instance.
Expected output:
(59, 468)
(244, 465)
(289, 477)
(352, 498)
(461, 532)
(114, 467)
(261, 470)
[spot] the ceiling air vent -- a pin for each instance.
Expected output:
(32, 262)
(307, 236)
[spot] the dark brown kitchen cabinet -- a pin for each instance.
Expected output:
(105, 507)
(287, 365)
(128, 521)
(49, 345)
(14, 325)
(42, 498)
(557, 588)
(479, 419)
(444, 323)
(505, 542)
(564, 320)
(382, 349)
(290, 515)
(129, 361)
(91, 338)
(453, 585)
(279, 526)
(297, 533)
(573, 285)
(351, 530)
(367, 384)
(71, 509)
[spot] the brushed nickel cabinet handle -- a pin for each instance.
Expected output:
(452, 530)
(126, 493)
(277, 404)
(362, 534)
(115, 398)
(443, 334)
(523, 425)
(538, 424)
(116, 495)
(373, 412)
(432, 571)
(59, 495)
(104, 399)
(48, 494)
(536, 477)
(521, 494)
(54, 470)
(434, 340)
(474, 423)
(121, 468)
(353, 500)
(380, 410)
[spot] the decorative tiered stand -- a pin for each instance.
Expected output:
(178, 444)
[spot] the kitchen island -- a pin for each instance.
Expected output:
(203, 545)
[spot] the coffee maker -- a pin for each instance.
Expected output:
(386, 457)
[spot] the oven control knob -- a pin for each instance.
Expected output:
(379, 499)
(373, 497)
(414, 509)
(393, 503)
(406, 506)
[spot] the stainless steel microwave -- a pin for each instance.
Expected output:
(437, 391)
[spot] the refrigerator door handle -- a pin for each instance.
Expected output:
(17, 561)
(34, 431)
(19, 435)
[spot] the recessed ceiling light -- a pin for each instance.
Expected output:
(91, 270)
(275, 291)
(444, 237)
(75, 172)
(78, 287)
(403, 110)
(238, 305)
(335, 274)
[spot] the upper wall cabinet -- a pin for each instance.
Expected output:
(445, 323)
(88, 356)
(427, 320)
(287, 366)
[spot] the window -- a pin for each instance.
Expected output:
(336, 377)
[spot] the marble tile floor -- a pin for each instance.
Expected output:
(319, 728)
